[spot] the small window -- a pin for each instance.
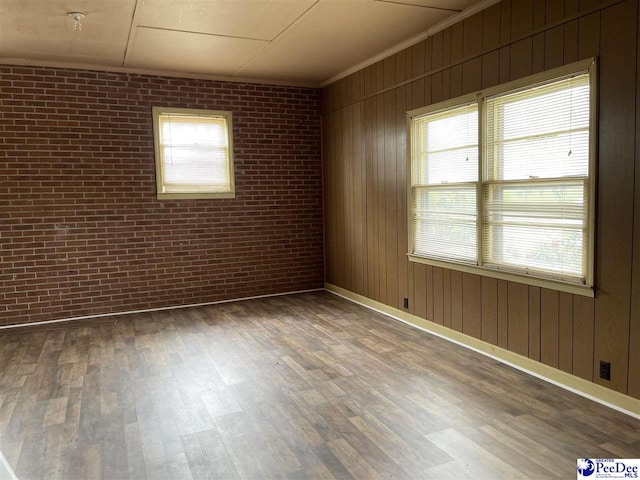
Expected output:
(194, 153)
(502, 181)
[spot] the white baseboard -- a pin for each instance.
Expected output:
(605, 396)
(171, 307)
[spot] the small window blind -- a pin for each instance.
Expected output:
(194, 153)
(444, 184)
(536, 172)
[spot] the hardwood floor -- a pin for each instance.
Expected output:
(299, 386)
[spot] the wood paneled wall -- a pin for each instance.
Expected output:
(365, 183)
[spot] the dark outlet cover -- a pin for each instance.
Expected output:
(406, 302)
(605, 370)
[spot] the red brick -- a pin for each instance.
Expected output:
(81, 229)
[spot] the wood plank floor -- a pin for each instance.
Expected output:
(299, 386)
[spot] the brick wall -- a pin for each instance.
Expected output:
(81, 229)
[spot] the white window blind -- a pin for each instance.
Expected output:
(536, 188)
(194, 151)
(444, 184)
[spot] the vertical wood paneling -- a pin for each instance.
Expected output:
(472, 75)
(571, 41)
(490, 310)
(428, 47)
(615, 175)
(369, 115)
(417, 59)
(438, 296)
(456, 83)
(446, 297)
(457, 32)
(554, 11)
(329, 180)
(634, 325)
(381, 190)
(368, 81)
(521, 58)
(565, 332)
(339, 200)
(446, 83)
(389, 69)
(490, 69)
(539, 13)
(549, 327)
(554, 47)
(505, 64)
(436, 87)
(583, 329)
(472, 35)
(329, 211)
(365, 177)
(518, 318)
(420, 289)
(347, 195)
(521, 17)
(589, 36)
(391, 197)
(588, 4)
(534, 323)
(471, 305)
(537, 60)
(505, 21)
(437, 49)
(503, 314)
(427, 90)
(491, 26)
(456, 300)
(401, 196)
(571, 7)
(429, 291)
(379, 76)
(360, 186)
(401, 66)
(447, 57)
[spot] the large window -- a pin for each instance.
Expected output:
(194, 153)
(503, 180)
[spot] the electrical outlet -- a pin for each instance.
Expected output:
(605, 370)
(406, 302)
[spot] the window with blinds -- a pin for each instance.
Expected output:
(194, 153)
(537, 179)
(444, 184)
(502, 180)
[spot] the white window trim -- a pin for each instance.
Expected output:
(228, 116)
(587, 289)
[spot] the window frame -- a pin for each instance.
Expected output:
(228, 118)
(588, 66)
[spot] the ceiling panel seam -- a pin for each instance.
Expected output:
(262, 50)
(137, 8)
(204, 33)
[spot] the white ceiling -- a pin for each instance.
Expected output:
(303, 41)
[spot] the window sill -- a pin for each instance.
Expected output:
(194, 196)
(560, 286)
